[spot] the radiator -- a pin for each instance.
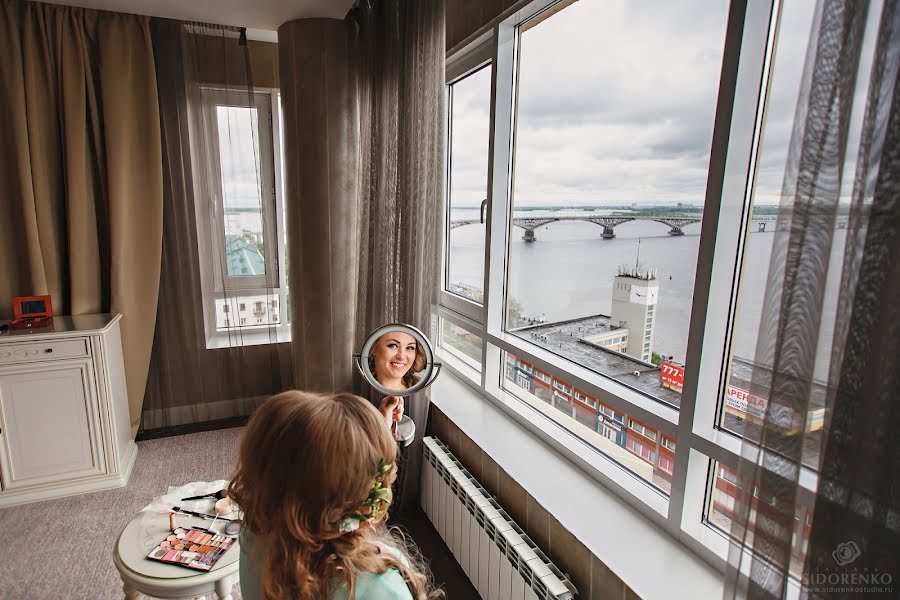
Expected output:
(500, 560)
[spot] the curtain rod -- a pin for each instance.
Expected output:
(200, 27)
(214, 29)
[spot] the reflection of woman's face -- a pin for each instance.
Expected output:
(394, 354)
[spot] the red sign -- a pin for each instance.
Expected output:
(745, 403)
(671, 376)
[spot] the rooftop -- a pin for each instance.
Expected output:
(243, 256)
(564, 339)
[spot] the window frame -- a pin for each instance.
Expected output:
(211, 225)
(750, 36)
(478, 55)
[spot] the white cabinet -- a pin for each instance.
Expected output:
(64, 425)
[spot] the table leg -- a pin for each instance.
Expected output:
(223, 588)
(130, 592)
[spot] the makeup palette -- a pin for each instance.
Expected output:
(194, 548)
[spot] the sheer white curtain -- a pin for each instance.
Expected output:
(856, 463)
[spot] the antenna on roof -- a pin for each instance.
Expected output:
(637, 259)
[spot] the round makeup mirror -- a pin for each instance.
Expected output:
(397, 360)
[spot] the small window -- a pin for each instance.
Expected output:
(241, 253)
(469, 110)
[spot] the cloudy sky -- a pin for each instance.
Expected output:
(238, 155)
(616, 105)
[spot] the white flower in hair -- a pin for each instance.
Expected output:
(349, 524)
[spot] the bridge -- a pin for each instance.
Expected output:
(675, 223)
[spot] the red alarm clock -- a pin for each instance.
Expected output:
(31, 311)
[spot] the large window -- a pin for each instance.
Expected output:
(242, 261)
(613, 124)
(635, 156)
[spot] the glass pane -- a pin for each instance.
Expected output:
(470, 115)
(720, 512)
(461, 343)
(616, 102)
(251, 310)
(739, 405)
(241, 191)
(639, 448)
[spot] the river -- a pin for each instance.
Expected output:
(568, 273)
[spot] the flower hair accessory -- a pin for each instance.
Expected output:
(378, 496)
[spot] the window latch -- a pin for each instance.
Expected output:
(483, 206)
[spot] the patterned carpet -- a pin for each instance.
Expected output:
(61, 549)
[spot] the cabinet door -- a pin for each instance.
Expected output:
(50, 423)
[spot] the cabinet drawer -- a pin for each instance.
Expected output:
(47, 350)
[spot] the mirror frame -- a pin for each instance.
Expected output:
(429, 374)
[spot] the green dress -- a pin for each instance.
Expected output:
(369, 586)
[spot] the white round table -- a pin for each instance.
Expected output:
(141, 575)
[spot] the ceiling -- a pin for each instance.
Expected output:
(260, 17)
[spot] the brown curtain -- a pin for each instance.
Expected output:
(81, 169)
(321, 145)
(364, 132)
(399, 65)
(190, 382)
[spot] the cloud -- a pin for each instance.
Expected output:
(616, 104)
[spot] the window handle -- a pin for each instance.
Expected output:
(483, 206)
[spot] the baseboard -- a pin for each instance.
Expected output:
(174, 416)
(63, 489)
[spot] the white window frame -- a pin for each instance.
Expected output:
(739, 116)
(211, 225)
(478, 55)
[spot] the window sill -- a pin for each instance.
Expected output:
(252, 337)
(654, 563)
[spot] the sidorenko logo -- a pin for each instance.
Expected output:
(846, 553)
(845, 579)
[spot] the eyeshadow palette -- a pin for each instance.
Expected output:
(194, 548)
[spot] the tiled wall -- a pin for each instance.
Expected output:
(592, 578)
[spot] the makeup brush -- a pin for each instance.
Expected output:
(218, 495)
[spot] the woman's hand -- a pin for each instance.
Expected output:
(392, 409)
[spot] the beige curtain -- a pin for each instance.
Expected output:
(81, 169)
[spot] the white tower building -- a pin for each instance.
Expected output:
(634, 296)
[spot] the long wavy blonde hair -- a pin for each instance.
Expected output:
(307, 462)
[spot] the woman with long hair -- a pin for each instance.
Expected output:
(314, 484)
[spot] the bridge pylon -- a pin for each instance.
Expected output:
(529, 236)
(608, 233)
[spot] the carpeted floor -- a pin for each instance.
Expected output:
(60, 549)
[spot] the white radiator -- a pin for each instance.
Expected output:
(500, 560)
